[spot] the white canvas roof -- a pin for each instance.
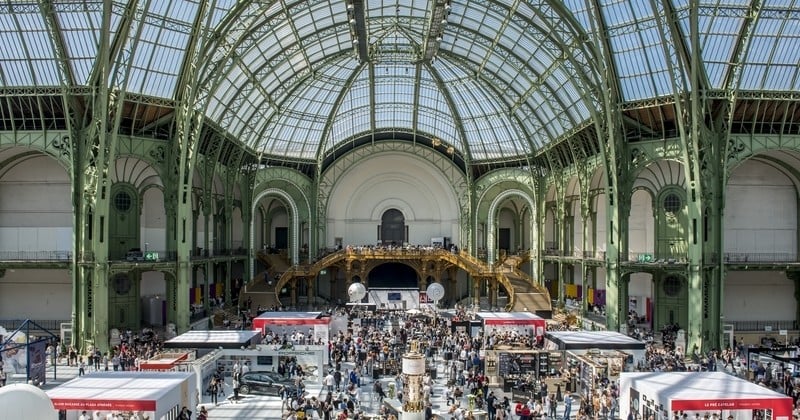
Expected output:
(679, 386)
(212, 339)
(508, 315)
(567, 340)
(117, 390)
(289, 315)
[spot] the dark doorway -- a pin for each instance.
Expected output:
(393, 227)
(393, 275)
(281, 237)
(504, 239)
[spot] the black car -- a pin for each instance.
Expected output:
(264, 383)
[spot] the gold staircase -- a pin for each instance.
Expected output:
(523, 294)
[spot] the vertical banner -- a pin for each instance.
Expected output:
(37, 361)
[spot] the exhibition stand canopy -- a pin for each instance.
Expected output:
(520, 322)
(286, 323)
(157, 393)
(703, 393)
(214, 339)
(581, 342)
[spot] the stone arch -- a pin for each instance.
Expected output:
(493, 209)
(294, 230)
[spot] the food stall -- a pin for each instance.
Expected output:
(155, 395)
(705, 393)
(287, 323)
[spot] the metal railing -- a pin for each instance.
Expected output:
(36, 256)
(773, 326)
(133, 256)
(52, 325)
(760, 257)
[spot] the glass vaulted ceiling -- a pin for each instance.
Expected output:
(496, 79)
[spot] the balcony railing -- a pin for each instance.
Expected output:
(35, 255)
(132, 256)
(760, 257)
(773, 326)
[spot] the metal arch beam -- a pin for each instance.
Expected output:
(731, 78)
(687, 56)
(57, 39)
(415, 97)
(511, 10)
(185, 72)
(115, 46)
(372, 101)
(611, 70)
(249, 38)
(534, 84)
(547, 34)
(297, 83)
(296, 86)
(253, 75)
(294, 31)
(329, 121)
(456, 116)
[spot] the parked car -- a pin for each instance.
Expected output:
(267, 383)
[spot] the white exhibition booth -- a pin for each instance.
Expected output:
(705, 393)
(309, 324)
(521, 323)
(156, 395)
(582, 342)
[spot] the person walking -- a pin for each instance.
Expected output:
(553, 406)
(213, 389)
(567, 406)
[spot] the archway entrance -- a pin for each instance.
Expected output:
(393, 227)
(393, 275)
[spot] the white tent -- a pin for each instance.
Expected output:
(658, 393)
(156, 393)
(579, 342)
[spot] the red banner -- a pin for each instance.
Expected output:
(114, 405)
(779, 406)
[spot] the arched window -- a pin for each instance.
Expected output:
(393, 227)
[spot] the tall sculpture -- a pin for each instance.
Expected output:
(413, 370)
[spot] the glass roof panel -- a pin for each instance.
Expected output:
(719, 25)
(160, 49)
(26, 57)
(635, 37)
(479, 108)
(298, 130)
(772, 58)
(507, 67)
(80, 30)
